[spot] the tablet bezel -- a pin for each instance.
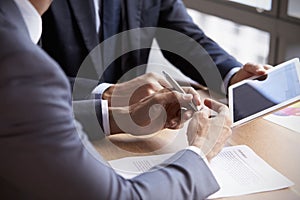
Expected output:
(268, 110)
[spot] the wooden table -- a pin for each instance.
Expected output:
(278, 146)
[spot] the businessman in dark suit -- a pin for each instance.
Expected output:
(43, 151)
(73, 28)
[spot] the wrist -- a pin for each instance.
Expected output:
(115, 114)
(200, 143)
(231, 80)
(107, 94)
(198, 151)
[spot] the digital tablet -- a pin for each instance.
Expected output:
(260, 95)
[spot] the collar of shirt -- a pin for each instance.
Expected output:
(32, 19)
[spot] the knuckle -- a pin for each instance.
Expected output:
(156, 98)
(149, 87)
(228, 121)
(150, 74)
(199, 115)
(228, 131)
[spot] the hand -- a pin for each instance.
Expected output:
(249, 70)
(162, 109)
(210, 133)
(131, 92)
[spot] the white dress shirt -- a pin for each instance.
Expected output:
(32, 19)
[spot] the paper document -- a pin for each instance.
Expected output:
(237, 169)
(133, 166)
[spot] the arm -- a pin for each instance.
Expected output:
(163, 109)
(174, 16)
(207, 56)
(132, 108)
(47, 157)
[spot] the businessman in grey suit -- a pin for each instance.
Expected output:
(45, 154)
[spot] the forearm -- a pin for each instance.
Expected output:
(174, 174)
(197, 52)
(184, 176)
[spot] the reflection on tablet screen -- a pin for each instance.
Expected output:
(254, 96)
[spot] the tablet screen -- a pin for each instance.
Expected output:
(253, 98)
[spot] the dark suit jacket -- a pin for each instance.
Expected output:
(70, 34)
(44, 154)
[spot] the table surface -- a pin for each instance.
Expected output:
(278, 146)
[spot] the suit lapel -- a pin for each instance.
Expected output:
(84, 13)
(13, 15)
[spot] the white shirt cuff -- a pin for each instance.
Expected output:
(105, 117)
(228, 77)
(100, 89)
(199, 152)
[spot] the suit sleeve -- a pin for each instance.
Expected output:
(88, 113)
(174, 16)
(87, 107)
(45, 154)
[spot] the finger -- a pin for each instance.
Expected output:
(172, 124)
(197, 129)
(164, 83)
(196, 95)
(204, 113)
(227, 132)
(173, 101)
(255, 69)
(155, 79)
(160, 79)
(216, 106)
(182, 99)
(176, 120)
(267, 67)
(186, 115)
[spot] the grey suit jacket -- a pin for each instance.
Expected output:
(45, 155)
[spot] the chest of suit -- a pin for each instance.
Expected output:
(70, 32)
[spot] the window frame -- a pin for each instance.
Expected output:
(284, 13)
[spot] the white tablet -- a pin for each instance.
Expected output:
(257, 96)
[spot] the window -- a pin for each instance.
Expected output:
(260, 4)
(294, 8)
(272, 26)
(247, 44)
(263, 31)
